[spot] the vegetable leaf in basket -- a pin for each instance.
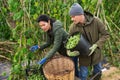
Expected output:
(73, 41)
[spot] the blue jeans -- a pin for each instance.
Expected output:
(84, 70)
(75, 60)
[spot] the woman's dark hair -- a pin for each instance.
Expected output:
(45, 18)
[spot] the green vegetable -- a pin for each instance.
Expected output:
(36, 77)
(73, 41)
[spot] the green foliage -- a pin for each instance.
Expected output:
(89, 5)
(27, 32)
(73, 41)
(5, 31)
(18, 15)
(36, 77)
(13, 5)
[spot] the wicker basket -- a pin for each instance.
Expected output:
(59, 68)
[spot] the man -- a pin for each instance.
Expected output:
(94, 31)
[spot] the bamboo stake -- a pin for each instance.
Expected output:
(98, 12)
(28, 15)
(7, 42)
(98, 7)
(65, 16)
(5, 57)
(24, 24)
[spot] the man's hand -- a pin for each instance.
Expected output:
(72, 53)
(33, 48)
(41, 62)
(92, 48)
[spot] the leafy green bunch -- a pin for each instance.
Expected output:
(73, 41)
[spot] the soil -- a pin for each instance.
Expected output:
(112, 74)
(4, 69)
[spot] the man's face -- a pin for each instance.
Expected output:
(44, 26)
(78, 19)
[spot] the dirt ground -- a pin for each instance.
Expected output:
(112, 74)
(4, 69)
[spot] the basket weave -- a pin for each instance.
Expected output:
(59, 68)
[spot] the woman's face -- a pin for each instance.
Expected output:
(45, 26)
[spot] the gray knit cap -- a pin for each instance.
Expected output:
(76, 9)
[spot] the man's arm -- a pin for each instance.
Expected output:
(104, 33)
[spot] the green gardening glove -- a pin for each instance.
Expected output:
(72, 53)
(92, 48)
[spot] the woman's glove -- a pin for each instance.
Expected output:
(41, 62)
(33, 48)
(92, 48)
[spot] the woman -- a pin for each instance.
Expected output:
(56, 35)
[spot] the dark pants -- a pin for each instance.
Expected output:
(75, 60)
(96, 69)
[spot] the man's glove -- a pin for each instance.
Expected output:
(92, 48)
(33, 48)
(41, 62)
(72, 53)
